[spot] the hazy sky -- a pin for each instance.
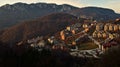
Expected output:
(112, 4)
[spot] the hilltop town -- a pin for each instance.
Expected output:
(82, 39)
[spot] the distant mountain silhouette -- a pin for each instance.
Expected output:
(47, 25)
(97, 13)
(15, 13)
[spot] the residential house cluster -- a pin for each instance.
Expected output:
(37, 42)
(74, 29)
(55, 44)
(102, 30)
(104, 35)
(107, 27)
(112, 27)
(70, 30)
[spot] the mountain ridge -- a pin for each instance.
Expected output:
(11, 14)
(47, 25)
(97, 13)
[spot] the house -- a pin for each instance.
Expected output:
(106, 27)
(104, 35)
(111, 27)
(76, 30)
(116, 27)
(119, 27)
(86, 29)
(94, 34)
(99, 34)
(51, 39)
(111, 36)
(73, 31)
(73, 43)
(85, 25)
(32, 45)
(99, 26)
(64, 34)
(74, 26)
(68, 28)
(116, 35)
(77, 25)
(41, 43)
